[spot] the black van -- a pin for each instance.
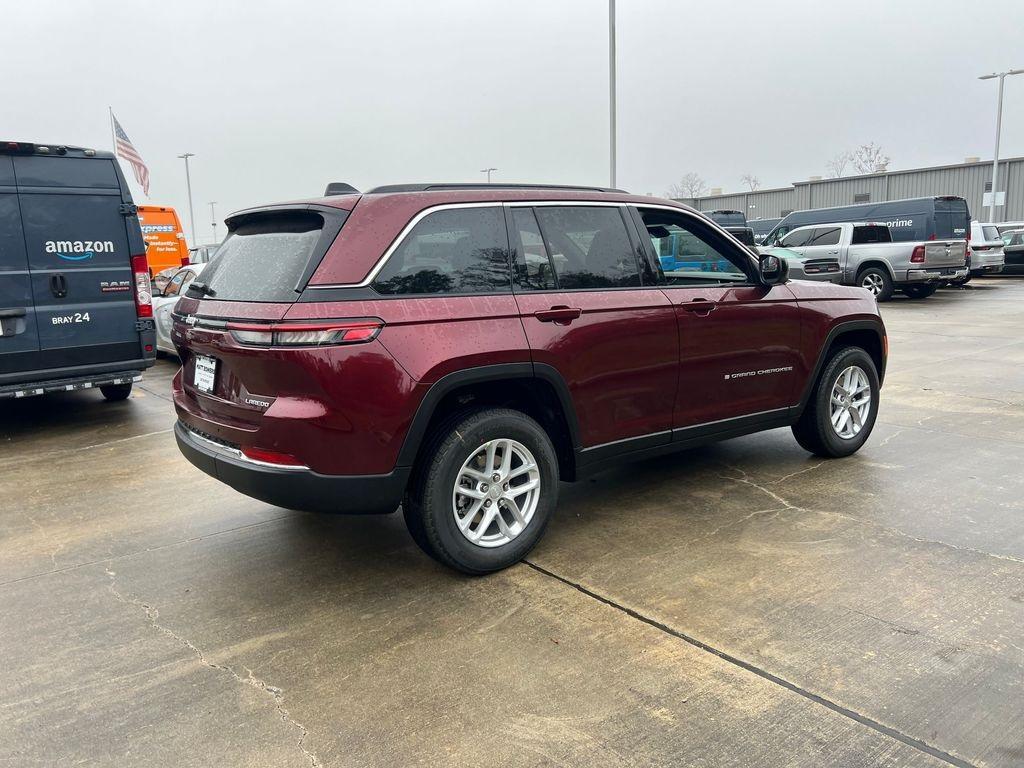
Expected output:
(911, 220)
(727, 218)
(762, 227)
(75, 300)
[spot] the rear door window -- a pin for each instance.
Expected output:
(533, 269)
(589, 247)
(871, 234)
(268, 256)
(990, 234)
(824, 236)
(461, 250)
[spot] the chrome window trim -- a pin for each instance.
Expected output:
(407, 229)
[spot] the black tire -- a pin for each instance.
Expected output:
(920, 290)
(876, 280)
(428, 505)
(814, 430)
(116, 392)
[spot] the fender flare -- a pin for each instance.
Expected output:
(833, 334)
(482, 374)
(873, 262)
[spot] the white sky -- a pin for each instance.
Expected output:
(277, 99)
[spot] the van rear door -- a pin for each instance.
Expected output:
(79, 258)
(18, 334)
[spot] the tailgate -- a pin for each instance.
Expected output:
(939, 253)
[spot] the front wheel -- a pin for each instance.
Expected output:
(842, 408)
(920, 291)
(877, 281)
(483, 492)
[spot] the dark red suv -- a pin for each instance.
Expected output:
(459, 350)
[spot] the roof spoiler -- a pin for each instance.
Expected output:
(340, 188)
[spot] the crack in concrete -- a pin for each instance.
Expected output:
(153, 616)
(876, 725)
(794, 474)
(745, 479)
(885, 442)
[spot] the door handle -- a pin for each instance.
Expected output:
(701, 307)
(16, 312)
(561, 314)
(58, 286)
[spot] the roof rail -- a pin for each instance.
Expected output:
(389, 188)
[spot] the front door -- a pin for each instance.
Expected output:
(739, 340)
(588, 315)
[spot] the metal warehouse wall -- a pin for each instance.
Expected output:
(966, 180)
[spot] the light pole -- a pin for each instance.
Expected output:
(611, 90)
(188, 184)
(999, 120)
(213, 221)
(488, 172)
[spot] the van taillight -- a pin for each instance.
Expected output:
(184, 261)
(917, 257)
(143, 288)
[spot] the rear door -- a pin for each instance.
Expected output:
(79, 259)
(588, 315)
(17, 313)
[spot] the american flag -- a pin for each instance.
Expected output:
(126, 150)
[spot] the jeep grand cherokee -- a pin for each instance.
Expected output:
(460, 350)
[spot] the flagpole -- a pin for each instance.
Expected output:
(113, 138)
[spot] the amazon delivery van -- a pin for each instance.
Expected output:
(76, 307)
(165, 242)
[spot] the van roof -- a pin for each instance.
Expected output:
(51, 150)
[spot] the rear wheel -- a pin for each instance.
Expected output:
(920, 291)
(115, 392)
(484, 490)
(841, 411)
(877, 281)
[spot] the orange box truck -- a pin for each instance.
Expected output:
(165, 242)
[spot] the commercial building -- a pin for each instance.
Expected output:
(969, 180)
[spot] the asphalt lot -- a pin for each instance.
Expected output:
(742, 604)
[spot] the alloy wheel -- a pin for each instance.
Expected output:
(496, 493)
(850, 402)
(873, 283)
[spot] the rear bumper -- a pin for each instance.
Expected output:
(293, 488)
(936, 274)
(68, 384)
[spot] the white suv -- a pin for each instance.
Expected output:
(986, 249)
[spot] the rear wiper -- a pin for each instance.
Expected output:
(202, 288)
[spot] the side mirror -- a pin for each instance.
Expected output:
(773, 270)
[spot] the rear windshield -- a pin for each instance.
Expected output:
(990, 233)
(872, 234)
(264, 257)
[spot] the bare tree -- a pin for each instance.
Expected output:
(869, 158)
(751, 181)
(838, 164)
(689, 187)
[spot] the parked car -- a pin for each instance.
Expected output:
(727, 218)
(164, 301)
(762, 227)
(869, 258)
(985, 250)
(165, 241)
(1008, 226)
(1013, 251)
(462, 349)
(823, 269)
(913, 220)
(75, 304)
(201, 254)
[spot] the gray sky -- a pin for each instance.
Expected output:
(277, 99)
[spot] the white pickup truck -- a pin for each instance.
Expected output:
(868, 258)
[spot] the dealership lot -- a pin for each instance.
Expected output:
(741, 604)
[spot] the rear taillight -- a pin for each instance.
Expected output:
(143, 288)
(917, 257)
(184, 261)
(316, 334)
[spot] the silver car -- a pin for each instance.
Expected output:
(164, 301)
(986, 246)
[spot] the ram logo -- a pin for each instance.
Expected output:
(78, 250)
